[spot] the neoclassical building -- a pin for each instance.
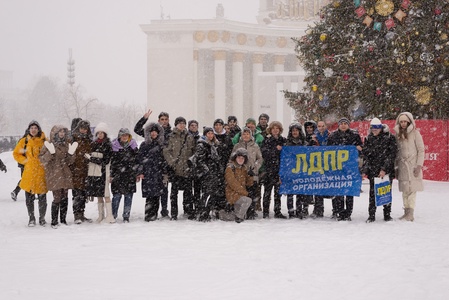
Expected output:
(208, 69)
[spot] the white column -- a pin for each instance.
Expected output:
(257, 59)
(195, 84)
(279, 61)
(220, 83)
(237, 85)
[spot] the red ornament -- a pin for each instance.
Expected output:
(390, 23)
(405, 4)
(360, 11)
(437, 11)
(378, 92)
(345, 77)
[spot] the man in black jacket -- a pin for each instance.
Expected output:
(344, 136)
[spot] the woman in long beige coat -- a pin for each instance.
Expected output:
(409, 162)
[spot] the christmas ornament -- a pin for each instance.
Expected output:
(389, 81)
(423, 95)
(345, 77)
(323, 37)
(378, 92)
(405, 4)
(357, 3)
(367, 21)
(437, 11)
(360, 11)
(384, 7)
(328, 72)
(389, 23)
(337, 4)
(443, 37)
(314, 88)
(325, 102)
(400, 15)
(377, 26)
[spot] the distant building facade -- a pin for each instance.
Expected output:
(208, 69)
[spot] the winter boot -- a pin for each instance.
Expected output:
(63, 206)
(405, 214)
(100, 212)
(371, 219)
(109, 217)
(84, 219)
(54, 214)
(42, 209)
(30, 207)
(410, 216)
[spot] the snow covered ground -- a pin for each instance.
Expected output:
(261, 259)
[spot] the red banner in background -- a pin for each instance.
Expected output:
(436, 141)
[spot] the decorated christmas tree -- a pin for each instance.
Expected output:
(375, 58)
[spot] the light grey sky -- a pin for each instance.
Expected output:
(108, 45)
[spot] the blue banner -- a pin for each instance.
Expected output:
(322, 170)
(382, 191)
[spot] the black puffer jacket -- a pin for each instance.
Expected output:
(208, 160)
(272, 156)
(344, 138)
(123, 167)
(379, 153)
(98, 186)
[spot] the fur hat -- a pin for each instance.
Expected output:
(180, 120)
(344, 120)
(103, 127)
(240, 152)
(376, 124)
(246, 129)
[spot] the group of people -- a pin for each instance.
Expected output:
(221, 171)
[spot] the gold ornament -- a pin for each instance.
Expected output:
(314, 88)
(323, 37)
(370, 11)
(337, 4)
(443, 37)
(367, 21)
(423, 95)
(384, 7)
(320, 97)
(400, 15)
(388, 81)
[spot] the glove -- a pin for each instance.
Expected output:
(251, 172)
(87, 156)
(72, 148)
(50, 147)
(2, 167)
(416, 171)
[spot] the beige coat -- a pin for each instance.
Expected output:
(255, 159)
(410, 154)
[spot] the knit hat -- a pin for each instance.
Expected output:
(264, 116)
(192, 121)
(232, 118)
(34, 122)
(250, 121)
(123, 131)
(375, 124)
(344, 120)
(219, 121)
(180, 120)
(207, 129)
(103, 127)
(246, 129)
(404, 117)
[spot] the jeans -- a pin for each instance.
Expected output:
(127, 204)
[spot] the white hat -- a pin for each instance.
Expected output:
(375, 123)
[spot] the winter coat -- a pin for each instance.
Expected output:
(255, 159)
(33, 177)
(178, 150)
(139, 129)
(224, 149)
(322, 137)
(258, 137)
(123, 167)
(151, 163)
(99, 168)
(234, 131)
(410, 155)
(344, 138)
(208, 160)
(379, 153)
(272, 156)
(80, 166)
(237, 181)
(58, 174)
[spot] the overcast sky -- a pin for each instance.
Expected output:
(108, 45)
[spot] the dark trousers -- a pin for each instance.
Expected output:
(318, 208)
(79, 198)
(181, 183)
(151, 208)
(344, 205)
(301, 204)
(269, 186)
(29, 201)
(164, 200)
(372, 201)
(59, 206)
(196, 197)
